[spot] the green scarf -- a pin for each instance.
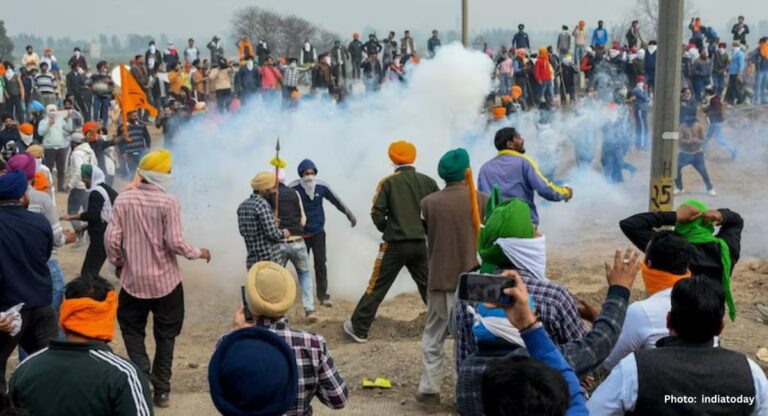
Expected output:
(700, 232)
(512, 218)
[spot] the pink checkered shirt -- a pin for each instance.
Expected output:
(143, 237)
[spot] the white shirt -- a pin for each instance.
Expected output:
(191, 54)
(646, 323)
(618, 393)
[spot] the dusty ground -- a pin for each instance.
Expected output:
(576, 252)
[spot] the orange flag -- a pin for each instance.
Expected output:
(132, 96)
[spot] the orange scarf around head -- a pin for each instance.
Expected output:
(89, 317)
(657, 280)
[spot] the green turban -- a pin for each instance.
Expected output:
(453, 165)
(700, 232)
(86, 171)
(511, 219)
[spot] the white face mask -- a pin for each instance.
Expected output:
(152, 48)
(396, 61)
(77, 54)
(721, 50)
(327, 60)
(80, 71)
(9, 74)
(641, 54)
(249, 65)
(736, 50)
(613, 53)
(307, 46)
(567, 60)
(640, 85)
(308, 182)
(652, 48)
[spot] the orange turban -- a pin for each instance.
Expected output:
(499, 113)
(517, 92)
(543, 53)
(506, 99)
(27, 129)
(402, 153)
(91, 125)
(41, 182)
(89, 317)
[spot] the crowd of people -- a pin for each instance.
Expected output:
(532, 355)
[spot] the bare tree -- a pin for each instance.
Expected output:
(647, 14)
(285, 35)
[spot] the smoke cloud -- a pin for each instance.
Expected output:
(438, 109)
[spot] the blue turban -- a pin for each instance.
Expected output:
(253, 372)
(36, 106)
(13, 186)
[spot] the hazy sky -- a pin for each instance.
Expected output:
(85, 19)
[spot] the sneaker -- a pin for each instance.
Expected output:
(678, 191)
(311, 317)
(712, 192)
(428, 399)
(162, 400)
(350, 330)
(326, 302)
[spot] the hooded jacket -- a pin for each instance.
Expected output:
(83, 154)
(313, 204)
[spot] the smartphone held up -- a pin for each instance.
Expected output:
(485, 288)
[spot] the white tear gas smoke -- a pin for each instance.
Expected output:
(438, 109)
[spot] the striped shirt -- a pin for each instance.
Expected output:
(45, 83)
(143, 237)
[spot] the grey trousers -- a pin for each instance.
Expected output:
(439, 306)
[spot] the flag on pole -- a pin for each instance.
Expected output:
(132, 96)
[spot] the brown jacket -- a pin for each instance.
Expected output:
(451, 243)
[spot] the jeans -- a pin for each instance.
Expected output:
(697, 161)
(82, 106)
(716, 130)
(131, 163)
(612, 159)
(58, 285)
(167, 320)
(77, 202)
(505, 83)
(101, 109)
(699, 83)
(761, 83)
(719, 83)
(547, 91)
(579, 53)
(732, 95)
(296, 252)
(641, 129)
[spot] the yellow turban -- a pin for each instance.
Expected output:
(402, 153)
(263, 180)
(269, 290)
(36, 151)
(160, 161)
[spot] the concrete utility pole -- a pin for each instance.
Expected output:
(465, 23)
(666, 106)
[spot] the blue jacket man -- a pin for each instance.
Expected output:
(313, 192)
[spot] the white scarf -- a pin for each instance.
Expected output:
(309, 182)
(163, 180)
(9, 74)
(529, 254)
(97, 178)
(501, 328)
